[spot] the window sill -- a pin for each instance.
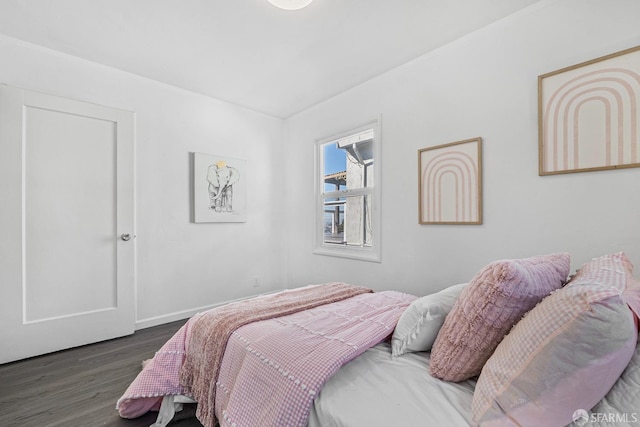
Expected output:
(355, 253)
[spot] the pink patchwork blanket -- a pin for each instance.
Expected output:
(270, 362)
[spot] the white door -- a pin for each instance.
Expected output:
(66, 206)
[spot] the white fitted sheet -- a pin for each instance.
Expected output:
(376, 390)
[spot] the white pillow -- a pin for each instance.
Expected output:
(419, 324)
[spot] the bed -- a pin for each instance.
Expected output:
(348, 357)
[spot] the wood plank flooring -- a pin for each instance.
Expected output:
(80, 387)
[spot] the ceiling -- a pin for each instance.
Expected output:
(249, 52)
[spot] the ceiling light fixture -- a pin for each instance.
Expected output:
(290, 4)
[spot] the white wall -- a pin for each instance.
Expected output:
(181, 266)
(482, 85)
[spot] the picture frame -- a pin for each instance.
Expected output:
(588, 115)
(219, 188)
(450, 183)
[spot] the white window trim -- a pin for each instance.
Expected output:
(373, 253)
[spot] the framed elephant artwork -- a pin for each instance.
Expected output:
(219, 189)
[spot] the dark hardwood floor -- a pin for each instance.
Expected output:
(80, 387)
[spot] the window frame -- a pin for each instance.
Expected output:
(371, 253)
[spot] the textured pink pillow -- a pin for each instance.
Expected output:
(563, 356)
(495, 299)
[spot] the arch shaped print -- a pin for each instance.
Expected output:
(460, 166)
(621, 93)
(449, 184)
(590, 120)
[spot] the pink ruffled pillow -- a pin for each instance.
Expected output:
(495, 299)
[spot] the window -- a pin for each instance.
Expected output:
(347, 172)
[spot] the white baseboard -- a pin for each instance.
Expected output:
(185, 314)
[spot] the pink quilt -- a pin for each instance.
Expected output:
(271, 369)
(162, 375)
(210, 334)
(159, 378)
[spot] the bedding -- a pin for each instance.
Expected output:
(377, 390)
(565, 354)
(281, 361)
(623, 400)
(496, 299)
(419, 324)
(330, 364)
(159, 377)
(162, 375)
(212, 332)
(262, 363)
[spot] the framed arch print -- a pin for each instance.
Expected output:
(450, 183)
(589, 115)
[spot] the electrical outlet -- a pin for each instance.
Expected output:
(255, 282)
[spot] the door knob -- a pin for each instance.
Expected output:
(126, 237)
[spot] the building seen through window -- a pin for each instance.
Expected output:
(348, 181)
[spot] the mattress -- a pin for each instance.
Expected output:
(376, 389)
